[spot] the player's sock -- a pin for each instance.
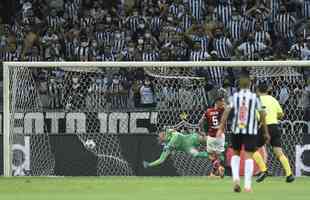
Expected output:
(286, 165)
(248, 172)
(215, 166)
(260, 161)
(235, 164)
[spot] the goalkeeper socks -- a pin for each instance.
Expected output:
(235, 165)
(248, 172)
(286, 165)
(260, 161)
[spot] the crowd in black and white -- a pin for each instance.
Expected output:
(156, 30)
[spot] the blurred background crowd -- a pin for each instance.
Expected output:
(156, 30)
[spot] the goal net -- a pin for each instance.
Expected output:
(100, 95)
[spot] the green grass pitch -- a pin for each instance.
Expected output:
(151, 188)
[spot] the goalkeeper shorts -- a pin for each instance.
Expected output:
(215, 145)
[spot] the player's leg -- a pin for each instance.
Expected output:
(220, 149)
(276, 145)
(259, 159)
(235, 161)
(211, 149)
(250, 145)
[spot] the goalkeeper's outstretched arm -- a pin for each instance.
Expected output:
(164, 155)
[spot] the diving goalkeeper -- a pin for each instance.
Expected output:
(176, 141)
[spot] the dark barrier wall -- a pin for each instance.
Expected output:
(72, 158)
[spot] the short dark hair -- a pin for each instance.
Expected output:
(263, 87)
(244, 80)
(218, 97)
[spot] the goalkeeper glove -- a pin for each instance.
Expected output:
(145, 164)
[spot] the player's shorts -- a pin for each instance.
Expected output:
(275, 136)
(216, 145)
(249, 142)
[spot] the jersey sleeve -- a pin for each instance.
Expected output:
(163, 156)
(166, 152)
(172, 143)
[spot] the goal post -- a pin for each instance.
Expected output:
(17, 77)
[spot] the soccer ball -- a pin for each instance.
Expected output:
(90, 144)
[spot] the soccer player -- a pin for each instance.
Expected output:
(274, 113)
(245, 105)
(209, 124)
(175, 141)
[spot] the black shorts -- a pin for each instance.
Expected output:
(249, 142)
(275, 136)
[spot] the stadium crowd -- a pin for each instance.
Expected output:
(157, 30)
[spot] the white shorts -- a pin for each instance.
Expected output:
(215, 145)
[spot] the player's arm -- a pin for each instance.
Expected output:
(262, 116)
(164, 155)
(280, 112)
(203, 125)
(223, 121)
(225, 115)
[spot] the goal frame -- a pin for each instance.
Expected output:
(7, 153)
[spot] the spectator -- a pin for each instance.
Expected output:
(147, 94)
(251, 50)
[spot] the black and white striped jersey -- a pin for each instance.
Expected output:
(216, 75)
(250, 49)
(70, 47)
(204, 41)
(10, 56)
(274, 9)
(174, 9)
(87, 21)
(235, 28)
(133, 22)
(118, 45)
(245, 105)
(32, 58)
(84, 53)
(197, 8)
(199, 55)
(261, 36)
(298, 47)
(222, 13)
(54, 22)
(78, 3)
(250, 23)
(150, 56)
(155, 23)
(306, 9)
(223, 47)
(187, 22)
(72, 10)
(105, 57)
(285, 25)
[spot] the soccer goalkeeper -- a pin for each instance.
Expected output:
(176, 141)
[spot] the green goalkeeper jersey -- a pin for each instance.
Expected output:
(176, 141)
(181, 142)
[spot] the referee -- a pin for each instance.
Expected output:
(245, 104)
(274, 112)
